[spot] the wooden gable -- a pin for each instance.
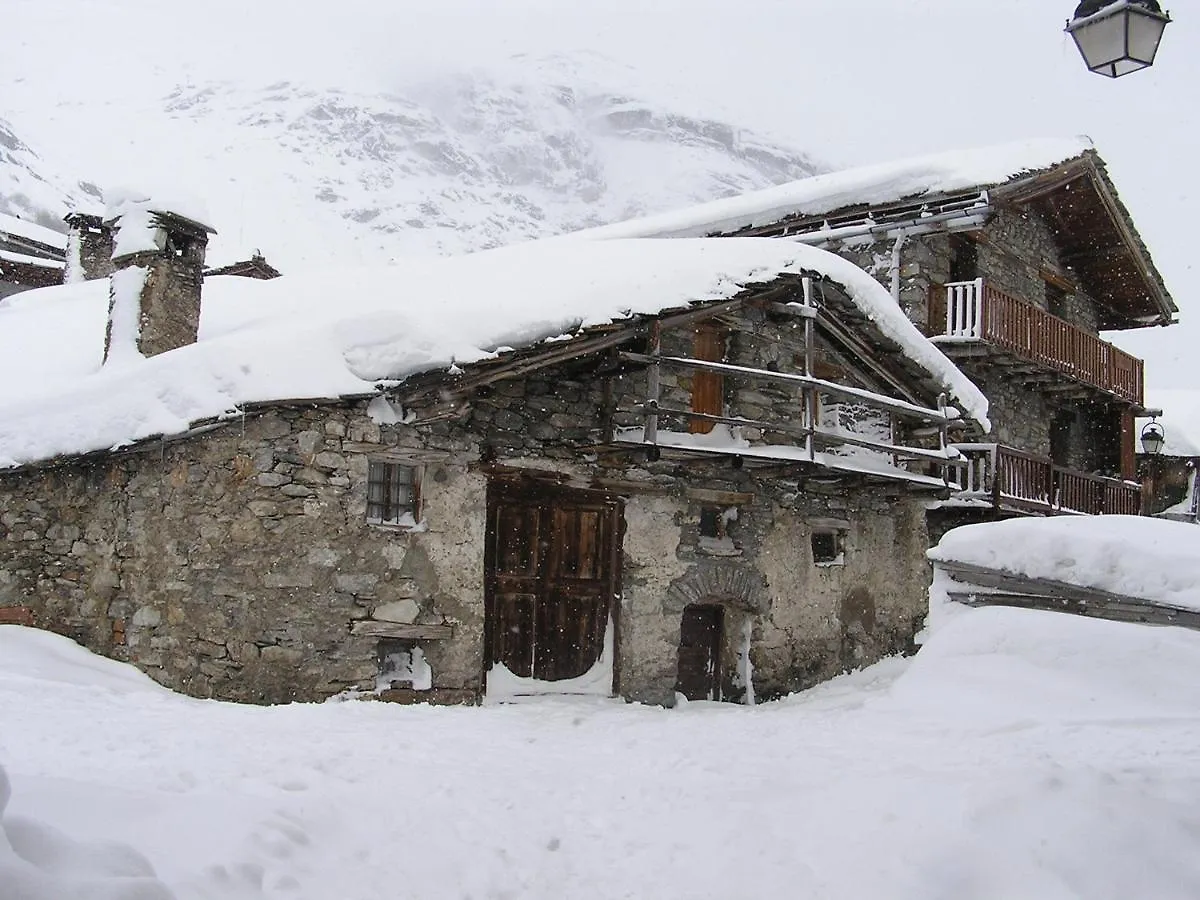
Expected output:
(1097, 240)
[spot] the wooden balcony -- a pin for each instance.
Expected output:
(977, 314)
(1012, 480)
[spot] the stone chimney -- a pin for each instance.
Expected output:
(154, 292)
(89, 248)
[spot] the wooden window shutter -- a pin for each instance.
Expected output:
(708, 388)
(1128, 445)
(936, 312)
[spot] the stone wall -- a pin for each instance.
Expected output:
(1017, 245)
(236, 563)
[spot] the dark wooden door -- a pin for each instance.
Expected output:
(551, 572)
(700, 653)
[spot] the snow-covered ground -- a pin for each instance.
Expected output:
(1020, 754)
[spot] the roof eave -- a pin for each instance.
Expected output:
(1090, 166)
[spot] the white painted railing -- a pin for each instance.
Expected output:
(974, 468)
(964, 309)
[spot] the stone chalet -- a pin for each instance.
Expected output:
(606, 463)
(1013, 270)
(630, 467)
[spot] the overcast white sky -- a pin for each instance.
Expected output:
(851, 81)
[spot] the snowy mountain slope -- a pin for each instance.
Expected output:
(464, 160)
(31, 190)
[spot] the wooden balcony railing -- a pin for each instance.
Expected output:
(1013, 479)
(976, 311)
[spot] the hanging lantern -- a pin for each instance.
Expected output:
(1117, 37)
(1153, 438)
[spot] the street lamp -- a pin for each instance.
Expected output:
(1153, 438)
(1117, 37)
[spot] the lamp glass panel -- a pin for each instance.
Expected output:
(1144, 34)
(1101, 42)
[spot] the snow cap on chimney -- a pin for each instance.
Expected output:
(158, 272)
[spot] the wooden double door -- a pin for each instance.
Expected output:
(551, 577)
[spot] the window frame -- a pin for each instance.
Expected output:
(838, 536)
(404, 516)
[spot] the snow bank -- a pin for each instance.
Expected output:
(1053, 665)
(940, 173)
(47, 658)
(39, 862)
(1135, 556)
(1018, 755)
(342, 333)
(503, 684)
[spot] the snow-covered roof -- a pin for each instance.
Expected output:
(1135, 556)
(941, 173)
(342, 333)
(26, 260)
(32, 231)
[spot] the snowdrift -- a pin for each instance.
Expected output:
(39, 862)
(1019, 754)
(1135, 556)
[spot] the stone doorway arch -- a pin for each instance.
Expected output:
(716, 604)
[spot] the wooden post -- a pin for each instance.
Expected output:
(943, 443)
(808, 394)
(650, 430)
(1128, 445)
(995, 485)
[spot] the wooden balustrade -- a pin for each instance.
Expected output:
(1013, 479)
(979, 312)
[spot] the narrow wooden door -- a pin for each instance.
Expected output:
(551, 578)
(700, 652)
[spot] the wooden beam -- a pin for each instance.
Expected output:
(825, 437)
(899, 407)
(831, 464)
(626, 486)
(985, 577)
(1035, 186)
(678, 411)
(567, 351)
(1116, 610)
(862, 353)
(373, 628)
(718, 498)
(786, 309)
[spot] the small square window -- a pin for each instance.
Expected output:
(712, 523)
(828, 548)
(393, 493)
